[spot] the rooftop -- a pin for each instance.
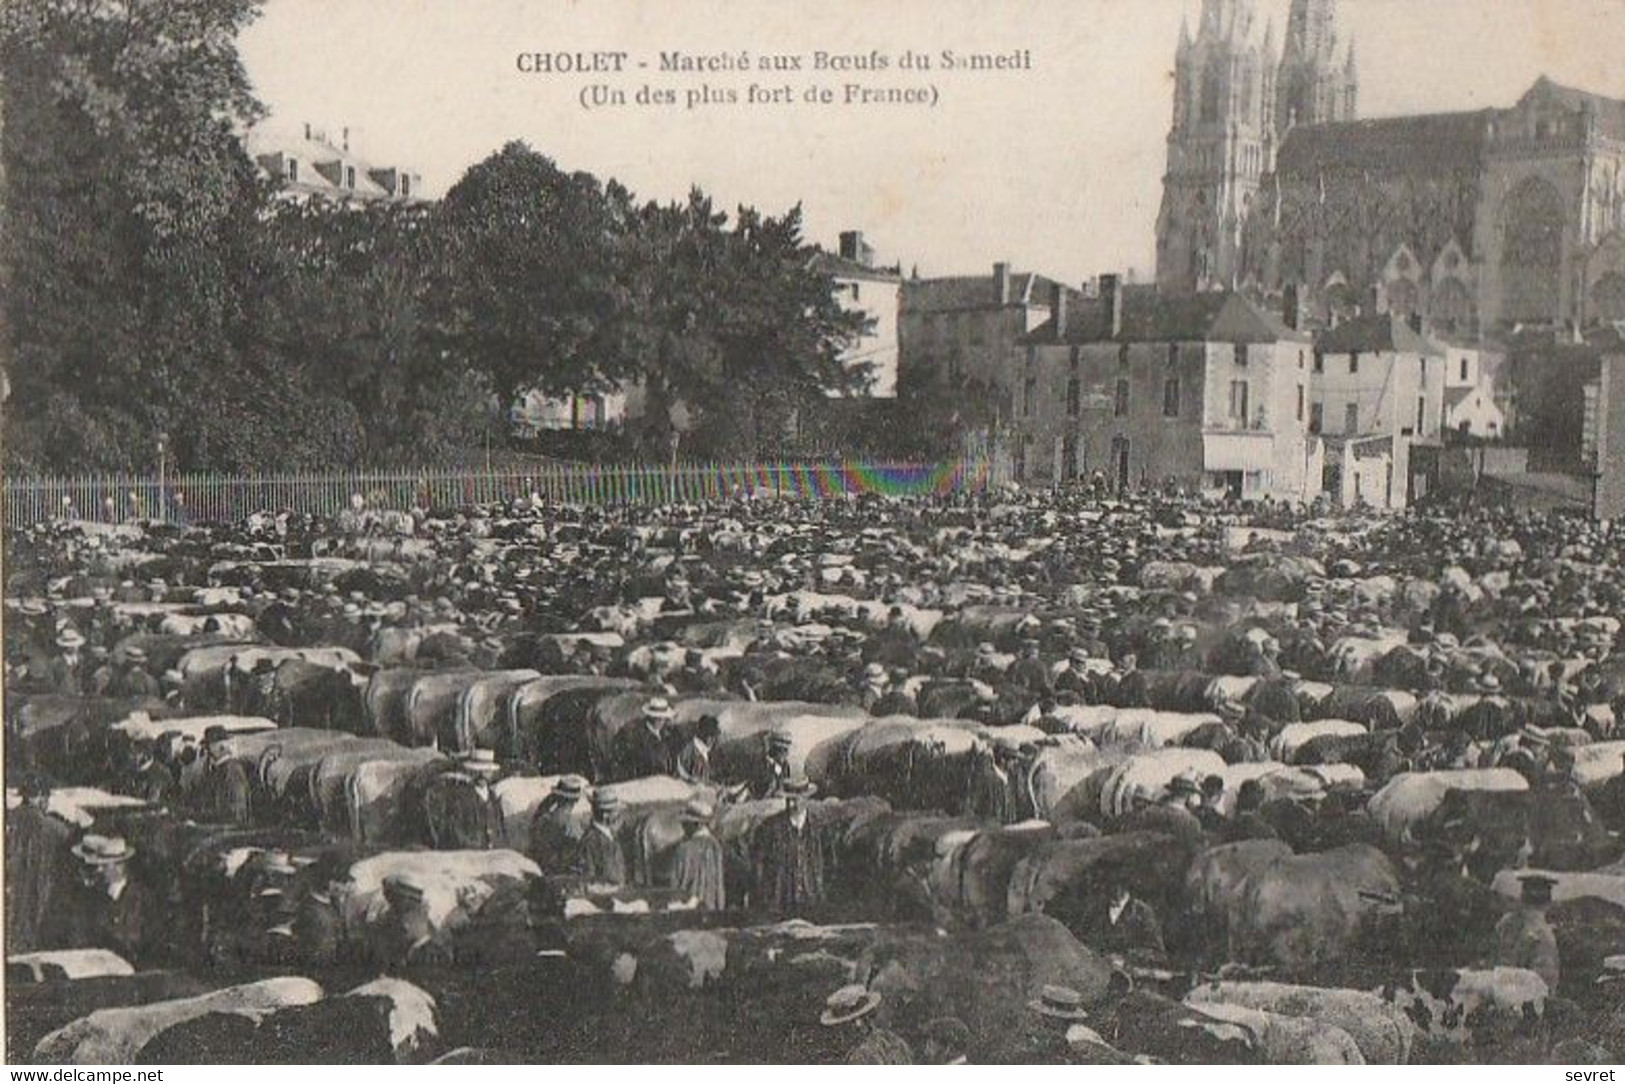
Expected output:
(1150, 316)
(962, 292)
(1379, 333)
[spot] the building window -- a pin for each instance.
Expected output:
(1170, 397)
(1354, 363)
(1069, 457)
(1421, 413)
(1300, 402)
(1241, 355)
(406, 185)
(854, 291)
(1317, 417)
(1464, 368)
(1300, 361)
(1320, 362)
(1351, 418)
(1029, 395)
(1122, 356)
(349, 176)
(1238, 400)
(1074, 397)
(1173, 354)
(1120, 406)
(293, 175)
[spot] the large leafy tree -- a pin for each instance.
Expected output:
(127, 196)
(732, 329)
(528, 289)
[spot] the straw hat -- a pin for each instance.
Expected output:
(481, 761)
(800, 786)
(847, 1004)
(97, 850)
(658, 708)
(70, 638)
(1060, 1002)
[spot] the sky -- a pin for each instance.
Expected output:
(1055, 169)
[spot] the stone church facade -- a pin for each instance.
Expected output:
(1478, 221)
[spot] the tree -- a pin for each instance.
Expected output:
(127, 195)
(736, 325)
(528, 286)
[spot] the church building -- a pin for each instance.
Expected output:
(1478, 221)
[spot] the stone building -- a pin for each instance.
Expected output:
(1207, 392)
(1608, 423)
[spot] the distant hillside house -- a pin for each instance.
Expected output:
(536, 412)
(309, 164)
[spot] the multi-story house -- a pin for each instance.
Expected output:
(1204, 391)
(1378, 393)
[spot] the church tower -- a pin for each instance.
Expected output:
(1220, 145)
(1317, 82)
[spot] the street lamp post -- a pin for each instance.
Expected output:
(163, 455)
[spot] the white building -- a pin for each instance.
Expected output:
(877, 293)
(1377, 391)
(308, 163)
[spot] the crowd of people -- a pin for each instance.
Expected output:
(1207, 747)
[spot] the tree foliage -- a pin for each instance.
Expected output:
(153, 281)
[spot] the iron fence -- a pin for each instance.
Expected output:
(204, 497)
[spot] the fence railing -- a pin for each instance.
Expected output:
(209, 498)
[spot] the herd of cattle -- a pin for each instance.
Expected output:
(1325, 756)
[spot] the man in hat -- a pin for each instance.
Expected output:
(558, 825)
(404, 934)
(600, 857)
(770, 775)
(146, 778)
(1128, 926)
(851, 1009)
(464, 813)
(105, 908)
(36, 865)
(642, 750)
(225, 794)
(134, 680)
(696, 862)
(65, 672)
(1029, 674)
(693, 762)
(788, 855)
(1524, 937)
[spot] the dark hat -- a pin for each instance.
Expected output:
(1536, 887)
(215, 733)
(779, 740)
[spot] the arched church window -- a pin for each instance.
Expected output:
(1212, 92)
(1402, 297)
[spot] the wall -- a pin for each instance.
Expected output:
(877, 299)
(1610, 500)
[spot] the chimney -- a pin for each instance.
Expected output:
(1001, 283)
(1111, 304)
(852, 245)
(1057, 308)
(1292, 307)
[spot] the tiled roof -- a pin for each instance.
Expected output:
(1150, 316)
(842, 268)
(961, 292)
(1380, 333)
(1428, 143)
(1610, 112)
